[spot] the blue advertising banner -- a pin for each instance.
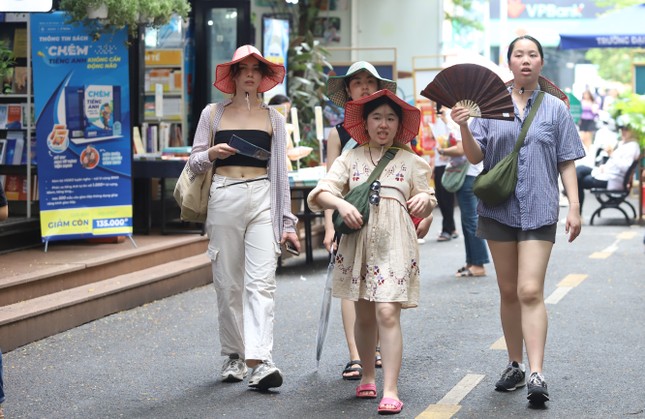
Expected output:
(83, 140)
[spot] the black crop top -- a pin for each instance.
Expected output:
(259, 138)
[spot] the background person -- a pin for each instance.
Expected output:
(286, 103)
(610, 175)
(476, 250)
(377, 266)
(248, 213)
(588, 118)
(521, 231)
(361, 80)
(446, 199)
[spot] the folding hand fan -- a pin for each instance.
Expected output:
(474, 87)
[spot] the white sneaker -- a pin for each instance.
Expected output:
(234, 369)
(265, 375)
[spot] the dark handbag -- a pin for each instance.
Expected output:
(495, 186)
(359, 196)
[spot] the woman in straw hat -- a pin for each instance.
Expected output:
(377, 266)
(362, 79)
(248, 212)
(521, 231)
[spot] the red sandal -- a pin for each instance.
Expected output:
(366, 391)
(389, 406)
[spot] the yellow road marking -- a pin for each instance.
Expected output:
(500, 344)
(572, 280)
(449, 404)
(605, 253)
(439, 411)
(557, 295)
(626, 235)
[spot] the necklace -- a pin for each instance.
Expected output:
(521, 90)
(369, 149)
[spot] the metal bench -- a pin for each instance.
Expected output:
(616, 199)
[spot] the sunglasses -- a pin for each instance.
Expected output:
(375, 193)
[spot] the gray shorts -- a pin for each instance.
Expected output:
(489, 229)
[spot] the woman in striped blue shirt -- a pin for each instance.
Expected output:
(521, 231)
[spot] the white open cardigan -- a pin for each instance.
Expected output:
(281, 216)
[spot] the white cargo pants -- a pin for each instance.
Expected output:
(244, 257)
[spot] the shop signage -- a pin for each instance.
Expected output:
(83, 141)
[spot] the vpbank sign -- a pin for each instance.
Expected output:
(26, 5)
(546, 11)
(554, 9)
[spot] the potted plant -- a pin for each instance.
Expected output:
(7, 61)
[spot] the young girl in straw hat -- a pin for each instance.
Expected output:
(377, 266)
(248, 213)
(362, 79)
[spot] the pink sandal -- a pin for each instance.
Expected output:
(389, 406)
(366, 391)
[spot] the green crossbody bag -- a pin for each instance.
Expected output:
(495, 186)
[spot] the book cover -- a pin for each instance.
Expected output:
(137, 143)
(15, 144)
(3, 150)
(19, 85)
(17, 153)
(23, 159)
(14, 116)
(20, 42)
(4, 109)
(10, 149)
(102, 106)
(16, 187)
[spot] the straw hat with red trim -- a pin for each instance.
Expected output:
(224, 79)
(336, 90)
(355, 123)
(549, 87)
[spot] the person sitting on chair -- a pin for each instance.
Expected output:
(611, 175)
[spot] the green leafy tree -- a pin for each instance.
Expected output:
(306, 63)
(615, 63)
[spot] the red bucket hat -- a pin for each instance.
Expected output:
(224, 81)
(355, 124)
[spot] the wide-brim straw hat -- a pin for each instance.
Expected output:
(549, 87)
(355, 124)
(224, 79)
(336, 91)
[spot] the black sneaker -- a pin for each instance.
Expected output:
(537, 392)
(512, 378)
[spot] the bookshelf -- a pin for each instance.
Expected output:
(165, 89)
(17, 130)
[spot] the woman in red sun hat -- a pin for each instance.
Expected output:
(377, 266)
(249, 211)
